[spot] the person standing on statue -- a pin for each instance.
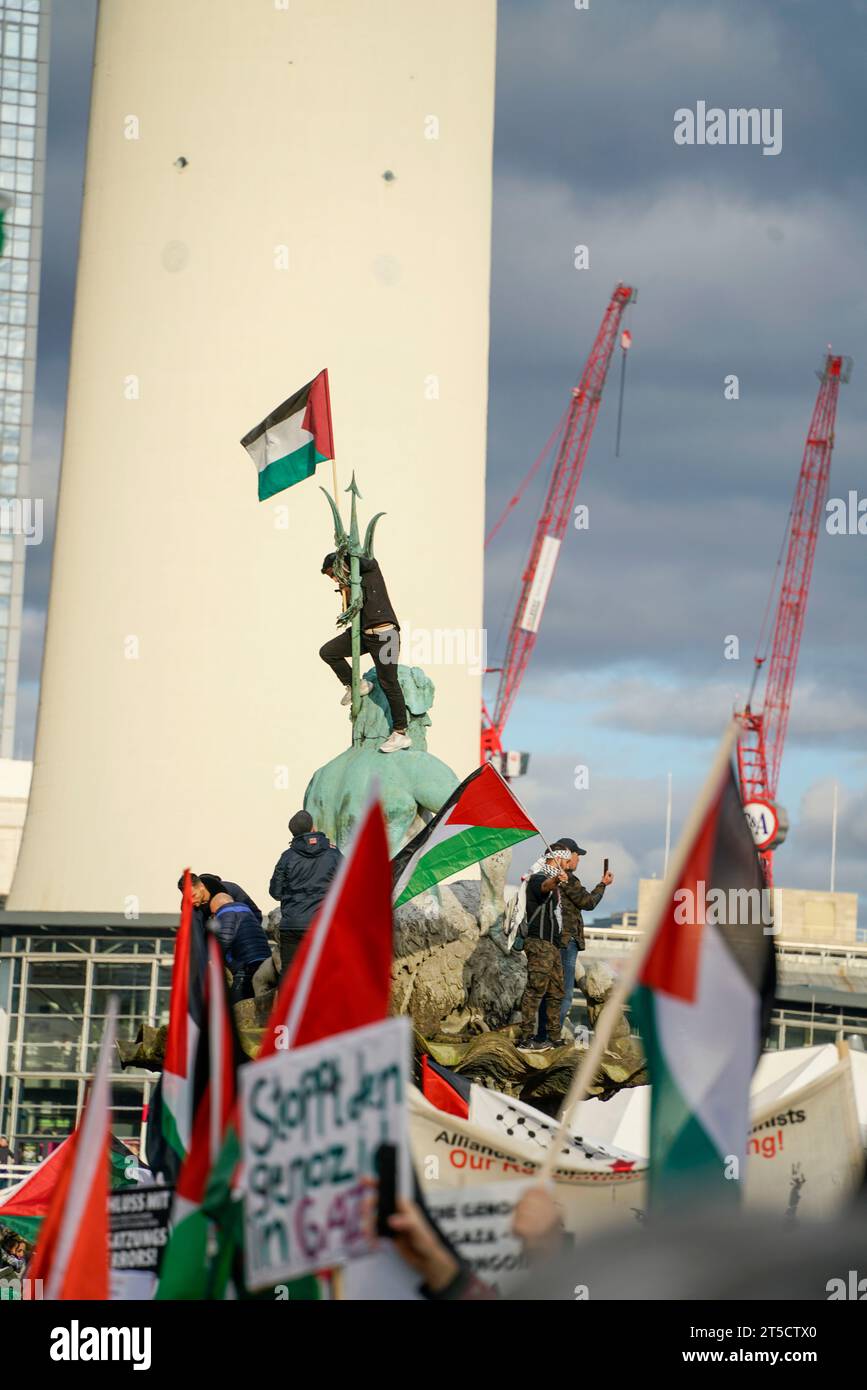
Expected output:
(380, 638)
(542, 949)
(301, 878)
(575, 899)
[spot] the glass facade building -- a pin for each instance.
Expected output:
(24, 44)
(55, 984)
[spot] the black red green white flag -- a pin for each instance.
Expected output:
(171, 1119)
(481, 817)
(185, 1271)
(288, 444)
(703, 1005)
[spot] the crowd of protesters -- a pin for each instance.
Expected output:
(552, 931)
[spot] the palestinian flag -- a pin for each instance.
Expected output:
(72, 1250)
(23, 1207)
(173, 1106)
(289, 443)
(185, 1271)
(341, 976)
(313, 1002)
(703, 1005)
(480, 817)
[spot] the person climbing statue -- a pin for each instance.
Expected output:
(380, 638)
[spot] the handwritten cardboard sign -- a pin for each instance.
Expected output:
(312, 1121)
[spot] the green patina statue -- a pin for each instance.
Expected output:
(410, 784)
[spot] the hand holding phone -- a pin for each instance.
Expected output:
(386, 1176)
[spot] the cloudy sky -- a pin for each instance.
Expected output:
(745, 264)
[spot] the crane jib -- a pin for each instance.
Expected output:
(580, 420)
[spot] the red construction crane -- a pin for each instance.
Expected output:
(580, 419)
(760, 750)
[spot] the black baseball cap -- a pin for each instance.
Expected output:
(566, 843)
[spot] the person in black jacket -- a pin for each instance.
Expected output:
(380, 638)
(300, 880)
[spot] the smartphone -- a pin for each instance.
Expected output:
(386, 1175)
(604, 867)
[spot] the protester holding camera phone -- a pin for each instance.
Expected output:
(555, 935)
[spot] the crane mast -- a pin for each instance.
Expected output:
(551, 527)
(760, 750)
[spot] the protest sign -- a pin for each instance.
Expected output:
(138, 1234)
(312, 1121)
(804, 1153)
(592, 1189)
(478, 1222)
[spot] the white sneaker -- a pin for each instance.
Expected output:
(395, 742)
(364, 689)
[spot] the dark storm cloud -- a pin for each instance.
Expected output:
(688, 522)
(589, 96)
(745, 264)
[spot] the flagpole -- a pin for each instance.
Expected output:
(585, 1072)
(355, 602)
(834, 840)
(667, 829)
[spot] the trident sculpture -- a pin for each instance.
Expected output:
(348, 575)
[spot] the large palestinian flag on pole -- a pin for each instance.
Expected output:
(703, 1005)
(293, 439)
(177, 1099)
(480, 817)
(72, 1250)
(312, 1003)
(185, 1268)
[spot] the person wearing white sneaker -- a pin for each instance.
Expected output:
(396, 740)
(364, 689)
(380, 638)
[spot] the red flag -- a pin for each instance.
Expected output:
(341, 976)
(72, 1251)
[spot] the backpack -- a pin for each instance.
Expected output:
(515, 918)
(515, 924)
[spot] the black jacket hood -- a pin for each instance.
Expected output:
(311, 844)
